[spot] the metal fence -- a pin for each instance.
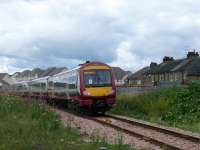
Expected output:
(145, 89)
(135, 90)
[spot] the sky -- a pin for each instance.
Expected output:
(125, 33)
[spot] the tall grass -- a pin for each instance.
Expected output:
(178, 107)
(32, 126)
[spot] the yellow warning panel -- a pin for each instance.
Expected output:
(99, 91)
(95, 67)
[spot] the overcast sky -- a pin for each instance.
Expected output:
(125, 33)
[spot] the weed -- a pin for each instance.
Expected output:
(31, 126)
(179, 107)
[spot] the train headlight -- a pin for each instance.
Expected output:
(112, 92)
(86, 93)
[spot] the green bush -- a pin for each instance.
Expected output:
(173, 106)
(32, 126)
(186, 107)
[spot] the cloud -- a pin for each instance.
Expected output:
(127, 59)
(130, 34)
(8, 64)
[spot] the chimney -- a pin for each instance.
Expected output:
(192, 54)
(167, 59)
(153, 64)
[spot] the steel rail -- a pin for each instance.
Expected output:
(156, 142)
(186, 136)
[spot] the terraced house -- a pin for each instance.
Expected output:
(178, 71)
(2, 81)
(169, 72)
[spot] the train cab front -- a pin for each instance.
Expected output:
(98, 88)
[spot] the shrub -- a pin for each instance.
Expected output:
(186, 106)
(34, 126)
(172, 106)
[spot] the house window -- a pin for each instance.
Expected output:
(161, 77)
(167, 76)
(176, 76)
(171, 76)
(139, 82)
(152, 78)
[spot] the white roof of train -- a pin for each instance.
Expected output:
(38, 79)
(61, 73)
(21, 82)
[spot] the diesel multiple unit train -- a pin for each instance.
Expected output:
(90, 86)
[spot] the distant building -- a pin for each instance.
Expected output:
(2, 81)
(140, 77)
(7, 78)
(120, 75)
(52, 71)
(169, 72)
(178, 71)
(35, 73)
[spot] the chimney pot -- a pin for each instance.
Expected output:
(153, 64)
(192, 54)
(168, 59)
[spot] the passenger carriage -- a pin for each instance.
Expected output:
(90, 86)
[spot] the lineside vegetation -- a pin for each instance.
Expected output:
(176, 107)
(32, 126)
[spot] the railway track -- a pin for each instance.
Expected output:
(160, 136)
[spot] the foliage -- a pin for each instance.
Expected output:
(173, 106)
(186, 107)
(33, 126)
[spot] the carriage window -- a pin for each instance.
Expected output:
(65, 81)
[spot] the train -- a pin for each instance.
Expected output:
(90, 86)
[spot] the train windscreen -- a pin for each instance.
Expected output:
(97, 78)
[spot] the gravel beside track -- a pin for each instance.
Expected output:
(155, 135)
(91, 128)
(114, 129)
(195, 137)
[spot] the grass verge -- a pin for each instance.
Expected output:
(32, 126)
(176, 107)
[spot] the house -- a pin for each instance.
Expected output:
(52, 71)
(178, 71)
(141, 77)
(120, 75)
(35, 73)
(7, 78)
(2, 81)
(170, 72)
